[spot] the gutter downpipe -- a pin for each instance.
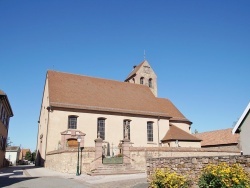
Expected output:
(36, 163)
(158, 119)
(45, 150)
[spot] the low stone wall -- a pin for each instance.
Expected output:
(192, 166)
(66, 160)
(139, 155)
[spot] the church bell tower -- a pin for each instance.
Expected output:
(145, 75)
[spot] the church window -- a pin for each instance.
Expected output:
(150, 131)
(72, 122)
(126, 125)
(101, 127)
(141, 80)
(150, 83)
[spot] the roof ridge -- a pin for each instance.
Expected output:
(186, 135)
(215, 130)
(135, 70)
(99, 78)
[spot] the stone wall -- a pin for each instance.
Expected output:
(228, 147)
(192, 166)
(66, 160)
(139, 155)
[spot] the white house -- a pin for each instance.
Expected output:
(243, 128)
(12, 154)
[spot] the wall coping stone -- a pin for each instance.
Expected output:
(71, 150)
(183, 149)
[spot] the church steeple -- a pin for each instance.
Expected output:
(143, 74)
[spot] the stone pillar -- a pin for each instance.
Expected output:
(98, 150)
(125, 151)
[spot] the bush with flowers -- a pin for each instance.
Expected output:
(223, 176)
(164, 178)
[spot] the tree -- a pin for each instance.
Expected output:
(28, 156)
(33, 156)
(8, 142)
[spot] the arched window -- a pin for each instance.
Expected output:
(72, 122)
(126, 125)
(101, 127)
(150, 84)
(142, 80)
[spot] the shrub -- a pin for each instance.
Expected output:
(164, 178)
(223, 176)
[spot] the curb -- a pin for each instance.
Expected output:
(25, 172)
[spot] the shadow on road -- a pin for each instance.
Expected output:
(14, 174)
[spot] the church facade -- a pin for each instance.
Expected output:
(76, 105)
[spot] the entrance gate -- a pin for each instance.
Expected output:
(113, 155)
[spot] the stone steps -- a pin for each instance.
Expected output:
(107, 169)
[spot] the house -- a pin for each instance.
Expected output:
(176, 137)
(77, 105)
(243, 128)
(219, 139)
(5, 114)
(23, 154)
(12, 154)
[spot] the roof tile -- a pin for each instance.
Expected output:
(175, 133)
(218, 137)
(83, 92)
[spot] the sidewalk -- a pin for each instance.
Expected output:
(104, 181)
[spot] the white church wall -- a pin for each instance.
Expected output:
(87, 123)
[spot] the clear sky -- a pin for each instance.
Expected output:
(200, 51)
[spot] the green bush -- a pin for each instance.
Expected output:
(224, 176)
(164, 178)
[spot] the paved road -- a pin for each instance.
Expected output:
(13, 177)
(30, 177)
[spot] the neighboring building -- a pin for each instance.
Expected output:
(23, 154)
(12, 154)
(243, 128)
(176, 137)
(5, 114)
(75, 105)
(219, 139)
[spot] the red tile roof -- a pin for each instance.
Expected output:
(218, 137)
(175, 133)
(170, 108)
(83, 92)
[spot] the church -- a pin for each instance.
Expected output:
(77, 105)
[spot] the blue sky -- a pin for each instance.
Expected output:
(200, 51)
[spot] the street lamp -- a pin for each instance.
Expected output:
(77, 168)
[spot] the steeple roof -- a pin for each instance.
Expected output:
(131, 74)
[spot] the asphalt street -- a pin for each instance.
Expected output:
(29, 176)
